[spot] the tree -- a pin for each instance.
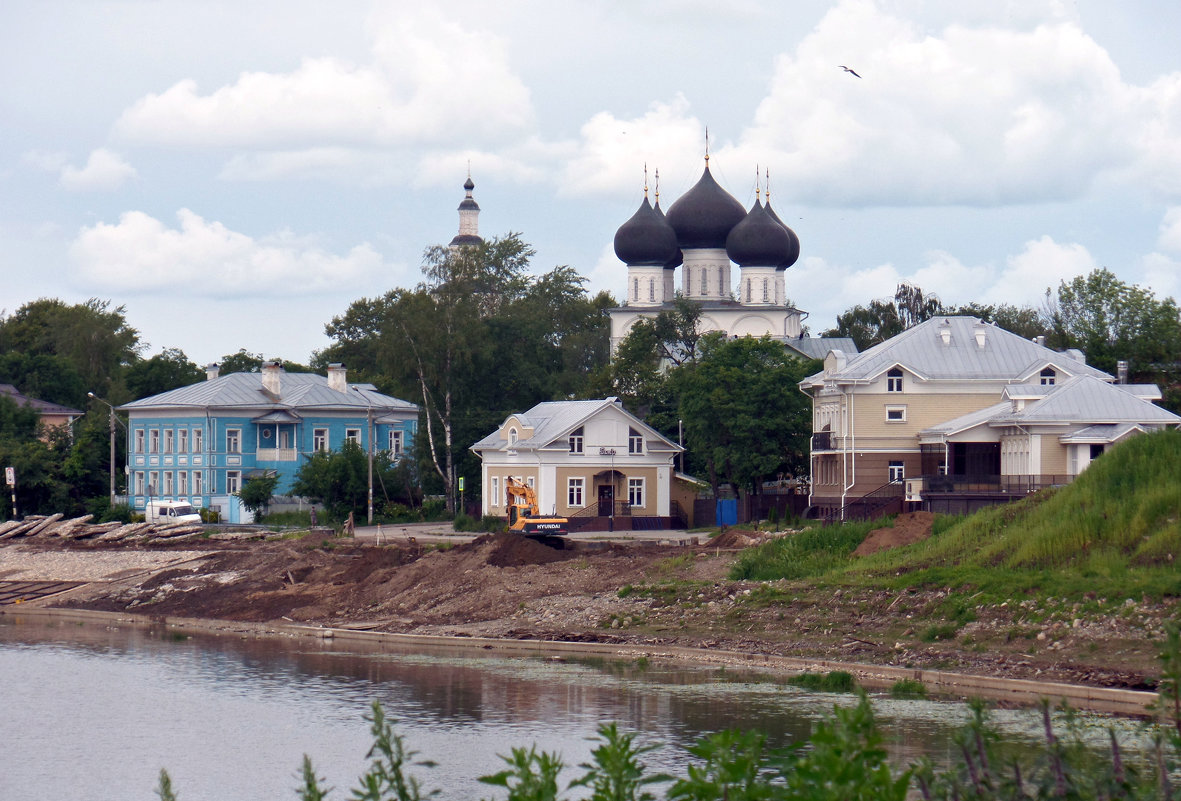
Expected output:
(743, 416)
(94, 338)
(1111, 320)
(169, 369)
(257, 491)
(1024, 321)
(477, 338)
(246, 362)
(882, 319)
(338, 479)
(670, 339)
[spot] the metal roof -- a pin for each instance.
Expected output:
(299, 391)
(923, 351)
(40, 406)
(1089, 400)
(554, 420)
(818, 347)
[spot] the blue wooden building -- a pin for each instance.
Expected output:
(201, 442)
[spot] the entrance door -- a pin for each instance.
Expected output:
(606, 500)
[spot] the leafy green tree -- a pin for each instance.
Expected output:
(93, 337)
(743, 418)
(638, 370)
(1024, 321)
(479, 337)
(337, 479)
(1111, 320)
(256, 492)
(246, 362)
(882, 319)
(45, 377)
(169, 369)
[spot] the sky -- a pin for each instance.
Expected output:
(236, 174)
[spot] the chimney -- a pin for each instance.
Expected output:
(1121, 371)
(1040, 339)
(981, 334)
(270, 377)
(945, 332)
(336, 377)
(211, 371)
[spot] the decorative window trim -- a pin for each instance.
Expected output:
(576, 492)
(576, 441)
(494, 491)
(895, 414)
(636, 492)
(233, 440)
(894, 380)
(896, 471)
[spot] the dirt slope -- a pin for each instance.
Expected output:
(511, 587)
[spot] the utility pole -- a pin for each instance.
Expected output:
(111, 424)
(369, 439)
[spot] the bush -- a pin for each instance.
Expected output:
(433, 509)
(908, 688)
(464, 522)
(809, 553)
(837, 681)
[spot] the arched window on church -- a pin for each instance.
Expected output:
(705, 280)
(748, 290)
(688, 281)
(635, 289)
(721, 282)
(651, 289)
(766, 297)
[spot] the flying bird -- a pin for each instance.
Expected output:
(851, 72)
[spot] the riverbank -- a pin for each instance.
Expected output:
(634, 600)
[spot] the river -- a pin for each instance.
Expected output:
(93, 712)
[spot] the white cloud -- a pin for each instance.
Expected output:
(428, 81)
(104, 171)
(974, 115)
(1042, 265)
(1170, 231)
(202, 257)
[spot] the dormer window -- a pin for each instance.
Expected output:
(512, 437)
(894, 380)
(1048, 377)
(635, 441)
(576, 440)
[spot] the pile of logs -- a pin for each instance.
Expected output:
(80, 528)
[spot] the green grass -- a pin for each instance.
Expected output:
(810, 553)
(837, 681)
(908, 688)
(1115, 532)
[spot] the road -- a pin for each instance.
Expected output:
(442, 532)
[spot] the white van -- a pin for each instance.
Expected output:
(170, 512)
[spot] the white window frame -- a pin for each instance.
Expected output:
(198, 439)
(182, 441)
(197, 480)
(153, 484)
(233, 440)
(1048, 376)
(169, 440)
(139, 482)
(635, 442)
(635, 492)
(894, 379)
(494, 492)
(182, 482)
(139, 441)
(320, 440)
(576, 492)
(353, 435)
(895, 414)
(397, 438)
(168, 484)
(154, 440)
(576, 441)
(896, 471)
(233, 481)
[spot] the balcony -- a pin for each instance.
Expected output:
(822, 441)
(275, 455)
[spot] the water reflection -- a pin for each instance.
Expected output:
(94, 711)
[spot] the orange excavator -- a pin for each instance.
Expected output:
(525, 517)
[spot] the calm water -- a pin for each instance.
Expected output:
(92, 713)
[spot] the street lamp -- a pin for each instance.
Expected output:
(369, 447)
(111, 423)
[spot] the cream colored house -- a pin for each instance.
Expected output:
(51, 415)
(957, 413)
(584, 459)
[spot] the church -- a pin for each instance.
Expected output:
(705, 233)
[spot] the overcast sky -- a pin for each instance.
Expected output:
(235, 173)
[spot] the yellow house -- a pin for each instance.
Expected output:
(52, 415)
(589, 459)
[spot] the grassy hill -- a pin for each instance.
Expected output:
(1116, 531)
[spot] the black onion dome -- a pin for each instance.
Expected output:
(704, 215)
(463, 240)
(678, 259)
(758, 240)
(646, 239)
(469, 184)
(794, 253)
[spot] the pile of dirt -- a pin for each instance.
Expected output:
(513, 550)
(908, 528)
(735, 538)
